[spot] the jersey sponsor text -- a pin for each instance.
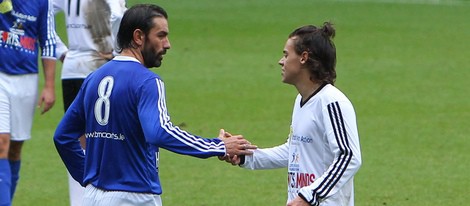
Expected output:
(299, 179)
(106, 135)
(15, 40)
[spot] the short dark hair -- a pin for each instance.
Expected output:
(318, 43)
(139, 16)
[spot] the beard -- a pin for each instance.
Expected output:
(151, 57)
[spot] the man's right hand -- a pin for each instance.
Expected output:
(235, 145)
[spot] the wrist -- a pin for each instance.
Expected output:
(309, 196)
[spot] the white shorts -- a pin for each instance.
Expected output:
(18, 97)
(97, 197)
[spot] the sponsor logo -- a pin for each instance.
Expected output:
(298, 180)
(15, 40)
(105, 135)
(23, 16)
(302, 139)
(78, 26)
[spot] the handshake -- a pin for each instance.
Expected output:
(235, 147)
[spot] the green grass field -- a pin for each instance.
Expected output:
(405, 67)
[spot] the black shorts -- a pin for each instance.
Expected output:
(70, 88)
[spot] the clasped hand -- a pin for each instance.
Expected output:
(235, 145)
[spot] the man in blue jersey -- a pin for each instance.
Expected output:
(92, 26)
(121, 109)
(25, 26)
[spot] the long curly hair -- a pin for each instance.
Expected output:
(318, 43)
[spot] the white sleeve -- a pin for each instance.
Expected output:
(118, 7)
(343, 140)
(57, 6)
(60, 49)
(269, 158)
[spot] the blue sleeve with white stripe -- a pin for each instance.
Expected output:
(46, 31)
(159, 130)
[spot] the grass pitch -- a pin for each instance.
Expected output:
(404, 65)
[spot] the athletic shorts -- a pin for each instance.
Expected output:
(18, 98)
(70, 89)
(97, 197)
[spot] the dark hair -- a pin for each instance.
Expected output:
(318, 43)
(139, 16)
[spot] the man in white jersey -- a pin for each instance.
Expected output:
(121, 109)
(91, 29)
(322, 152)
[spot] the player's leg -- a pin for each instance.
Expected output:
(5, 173)
(75, 192)
(14, 157)
(70, 89)
(23, 98)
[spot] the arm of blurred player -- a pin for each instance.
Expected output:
(47, 43)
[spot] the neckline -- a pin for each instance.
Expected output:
(302, 103)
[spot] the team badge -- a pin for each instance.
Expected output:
(6, 6)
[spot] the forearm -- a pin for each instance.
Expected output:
(48, 65)
(270, 158)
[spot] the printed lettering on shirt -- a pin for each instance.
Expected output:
(14, 40)
(23, 16)
(297, 180)
(302, 139)
(105, 135)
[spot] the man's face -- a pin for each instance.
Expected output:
(291, 63)
(156, 43)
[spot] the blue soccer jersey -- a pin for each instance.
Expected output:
(24, 27)
(121, 109)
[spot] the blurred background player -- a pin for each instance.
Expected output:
(91, 27)
(121, 109)
(322, 153)
(25, 26)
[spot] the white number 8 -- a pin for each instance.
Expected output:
(104, 91)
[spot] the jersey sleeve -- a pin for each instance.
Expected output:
(159, 130)
(57, 6)
(66, 139)
(118, 8)
(46, 30)
(269, 158)
(340, 123)
(61, 48)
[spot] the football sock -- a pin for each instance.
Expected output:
(15, 175)
(5, 183)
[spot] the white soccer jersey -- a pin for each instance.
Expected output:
(92, 26)
(322, 153)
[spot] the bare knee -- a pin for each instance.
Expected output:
(14, 153)
(4, 145)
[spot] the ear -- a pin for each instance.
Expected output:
(303, 57)
(138, 36)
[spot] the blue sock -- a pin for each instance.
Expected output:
(5, 183)
(15, 175)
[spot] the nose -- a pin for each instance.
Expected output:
(281, 61)
(167, 44)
